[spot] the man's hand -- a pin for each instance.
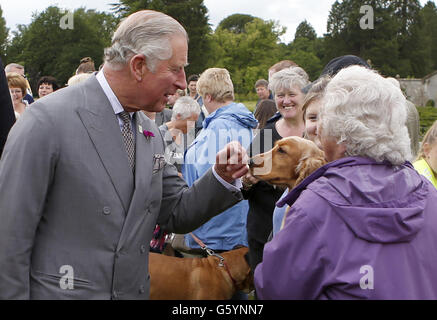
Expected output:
(231, 162)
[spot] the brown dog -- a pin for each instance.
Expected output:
(174, 278)
(290, 161)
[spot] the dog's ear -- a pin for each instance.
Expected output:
(307, 166)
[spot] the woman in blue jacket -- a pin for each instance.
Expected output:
(227, 121)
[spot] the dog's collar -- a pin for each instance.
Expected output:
(211, 252)
(229, 273)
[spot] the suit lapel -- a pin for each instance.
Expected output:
(101, 123)
(144, 155)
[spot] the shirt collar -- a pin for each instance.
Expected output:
(113, 100)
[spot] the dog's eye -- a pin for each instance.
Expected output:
(280, 150)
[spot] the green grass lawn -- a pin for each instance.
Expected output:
(249, 104)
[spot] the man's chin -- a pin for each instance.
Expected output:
(158, 107)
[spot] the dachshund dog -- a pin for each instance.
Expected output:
(290, 161)
(173, 278)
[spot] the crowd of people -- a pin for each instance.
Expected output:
(136, 157)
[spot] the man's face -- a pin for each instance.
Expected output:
(168, 77)
(192, 88)
(262, 92)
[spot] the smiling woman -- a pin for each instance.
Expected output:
(286, 86)
(17, 88)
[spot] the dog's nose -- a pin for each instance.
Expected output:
(251, 163)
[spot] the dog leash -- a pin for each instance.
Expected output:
(211, 252)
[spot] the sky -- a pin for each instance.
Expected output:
(288, 13)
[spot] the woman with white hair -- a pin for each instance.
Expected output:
(364, 225)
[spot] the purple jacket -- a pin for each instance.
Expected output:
(357, 229)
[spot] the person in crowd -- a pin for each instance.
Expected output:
(426, 162)
(193, 92)
(18, 68)
(7, 118)
(227, 121)
(358, 225)
(178, 133)
(17, 88)
(92, 177)
(265, 110)
(310, 109)
(192, 89)
(283, 64)
(47, 85)
(173, 97)
(78, 78)
(86, 66)
(263, 92)
(286, 86)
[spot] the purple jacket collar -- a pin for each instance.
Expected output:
(292, 196)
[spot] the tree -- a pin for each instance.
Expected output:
(192, 14)
(45, 47)
(236, 22)
(411, 40)
(305, 30)
(247, 55)
(302, 51)
(395, 44)
(3, 35)
(429, 30)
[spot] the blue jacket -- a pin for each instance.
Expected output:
(233, 122)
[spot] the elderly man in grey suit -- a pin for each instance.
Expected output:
(82, 178)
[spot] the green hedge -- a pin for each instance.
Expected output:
(427, 117)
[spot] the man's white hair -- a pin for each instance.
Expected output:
(145, 32)
(12, 66)
(288, 78)
(185, 107)
(366, 113)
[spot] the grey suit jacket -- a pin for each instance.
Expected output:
(74, 221)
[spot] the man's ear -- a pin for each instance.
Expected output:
(138, 66)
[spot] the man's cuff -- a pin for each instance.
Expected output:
(234, 187)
